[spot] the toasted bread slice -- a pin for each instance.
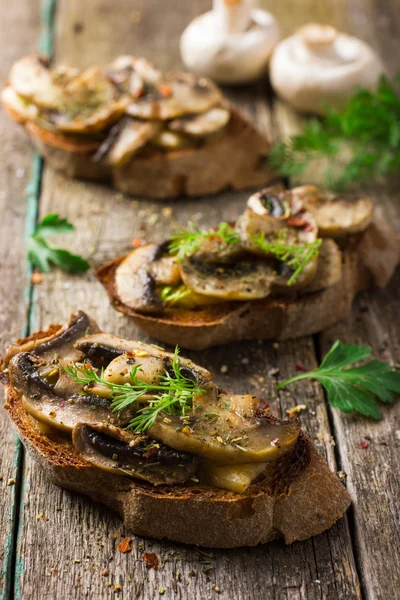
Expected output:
(370, 261)
(234, 160)
(295, 498)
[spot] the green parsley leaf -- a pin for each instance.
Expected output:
(369, 129)
(354, 388)
(43, 255)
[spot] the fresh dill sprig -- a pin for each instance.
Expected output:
(369, 129)
(296, 256)
(185, 242)
(173, 395)
(170, 295)
(354, 388)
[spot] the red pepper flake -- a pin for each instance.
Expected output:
(165, 90)
(151, 559)
(52, 571)
(385, 356)
(364, 444)
(299, 367)
(116, 536)
(296, 222)
(136, 242)
(125, 545)
(174, 585)
(104, 572)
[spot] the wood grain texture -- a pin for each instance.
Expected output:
(15, 160)
(373, 475)
(77, 541)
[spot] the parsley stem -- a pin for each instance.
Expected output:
(307, 375)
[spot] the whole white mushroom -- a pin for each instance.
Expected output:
(231, 43)
(319, 66)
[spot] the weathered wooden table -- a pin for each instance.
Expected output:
(58, 545)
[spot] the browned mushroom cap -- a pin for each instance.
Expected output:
(178, 94)
(133, 135)
(39, 398)
(219, 431)
(69, 101)
(274, 211)
(61, 343)
(102, 348)
(121, 452)
(21, 109)
(242, 280)
(329, 269)
(204, 124)
(137, 276)
(335, 216)
(31, 78)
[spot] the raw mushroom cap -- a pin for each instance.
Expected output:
(319, 67)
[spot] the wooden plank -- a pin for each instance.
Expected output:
(373, 475)
(15, 160)
(78, 530)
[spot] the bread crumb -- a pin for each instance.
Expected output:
(36, 278)
(161, 591)
(224, 369)
(11, 482)
(151, 560)
(104, 572)
(296, 409)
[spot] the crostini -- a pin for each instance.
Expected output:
(290, 266)
(149, 434)
(150, 134)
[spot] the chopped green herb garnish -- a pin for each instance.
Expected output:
(369, 129)
(296, 256)
(173, 395)
(185, 242)
(42, 254)
(170, 295)
(354, 388)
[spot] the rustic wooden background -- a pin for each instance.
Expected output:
(57, 545)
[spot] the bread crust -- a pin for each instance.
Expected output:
(235, 160)
(370, 260)
(297, 498)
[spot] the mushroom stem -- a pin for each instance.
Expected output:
(234, 16)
